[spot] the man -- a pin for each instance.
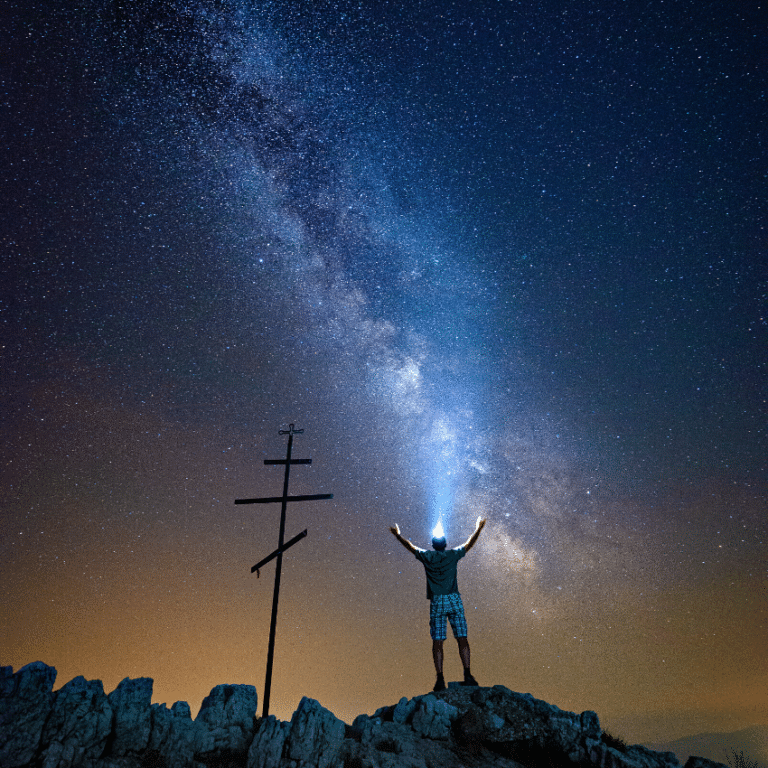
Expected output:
(444, 597)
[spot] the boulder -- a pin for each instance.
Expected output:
(226, 721)
(315, 736)
(604, 756)
(76, 732)
(266, 749)
(380, 742)
(520, 727)
(174, 736)
(26, 700)
(131, 704)
(404, 709)
(432, 718)
(702, 762)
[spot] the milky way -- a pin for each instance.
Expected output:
(493, 260)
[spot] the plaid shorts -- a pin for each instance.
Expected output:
(450, 607)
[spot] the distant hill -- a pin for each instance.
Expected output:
(752, 741)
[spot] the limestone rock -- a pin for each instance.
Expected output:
(267, 747)
(315, 737)
(702, 762)
(461, 727)
(131, 704)
(76, 732)
(26, 700)
(404, 710)
(520, 727)
(433, 717)
(174, 736)
(226, 721)
(604, 756)
(383, 743)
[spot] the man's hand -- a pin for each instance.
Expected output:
(407, 544)
(470, 542)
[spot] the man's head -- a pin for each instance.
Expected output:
(438, 536)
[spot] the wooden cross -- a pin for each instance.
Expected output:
(282, 545)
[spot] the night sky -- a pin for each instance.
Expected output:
(495, 258)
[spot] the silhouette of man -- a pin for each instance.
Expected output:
(445, 600)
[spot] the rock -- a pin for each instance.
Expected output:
(174, 736)
(315, 737)
(603, 756)
(387, 744)
(131, 704)
(461, 727)
(26, 700)
(519, 727)
(433, 718)
(267, 747)
(472, 727)
(702, 762)
(404, 710)
(226, 721)
(78, 727)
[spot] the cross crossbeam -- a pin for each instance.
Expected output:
(272, 499)
(282, 545)
(277, 552)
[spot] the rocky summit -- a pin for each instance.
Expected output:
(79, 726)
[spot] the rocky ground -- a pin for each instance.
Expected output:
(79, 726)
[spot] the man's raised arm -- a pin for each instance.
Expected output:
(470, 542)
(407, 544)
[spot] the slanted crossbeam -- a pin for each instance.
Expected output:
(282, 545)
(277, 552)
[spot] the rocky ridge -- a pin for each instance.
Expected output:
(79, 726)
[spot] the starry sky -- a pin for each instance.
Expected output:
(495, 258)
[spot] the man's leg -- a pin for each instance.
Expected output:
(437, 655)
(437, 627)
(459, 626)
(463, 651)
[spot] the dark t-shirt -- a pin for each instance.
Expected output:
(440, 568)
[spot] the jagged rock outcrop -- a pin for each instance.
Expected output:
(81, 727)
(131, 704)
(315, 737)
(77, 730)
(26, 700)
(226, 723)
(173, 737)
(266, 748)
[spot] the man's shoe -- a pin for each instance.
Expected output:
(440, 683)
(469, 680)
